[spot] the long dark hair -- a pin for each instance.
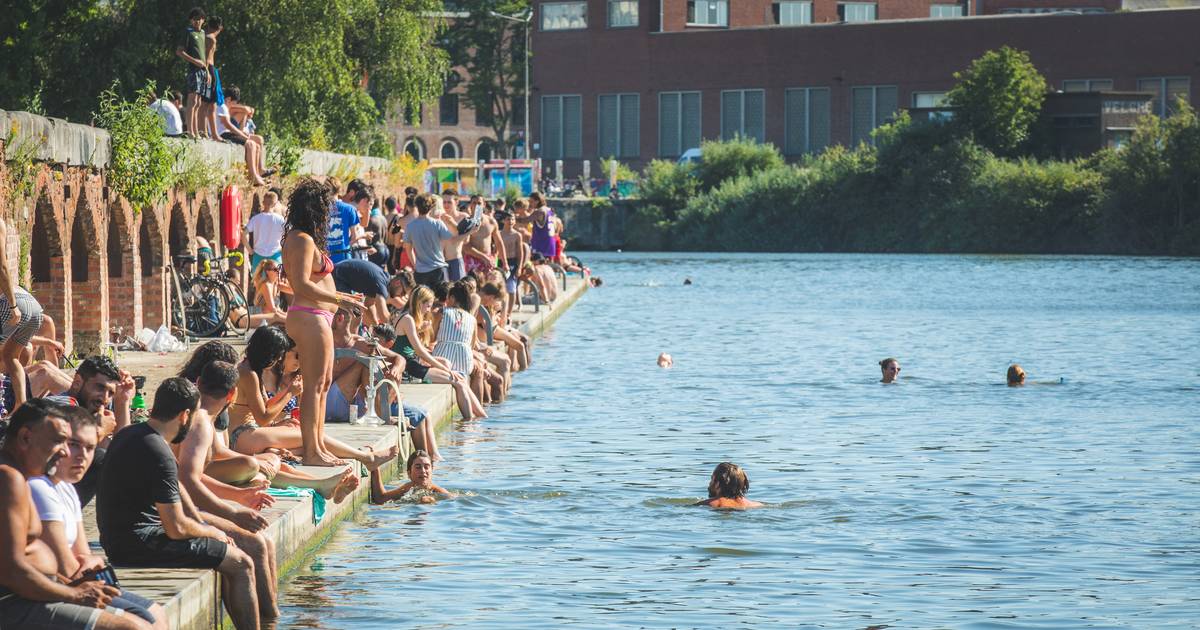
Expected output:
(308, 210)
(205, 354)
(267, 346)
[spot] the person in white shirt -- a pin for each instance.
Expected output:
(62, 520)
(265, 230)
(168, 110)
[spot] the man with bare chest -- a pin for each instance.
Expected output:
(32, 595)
(484, 244)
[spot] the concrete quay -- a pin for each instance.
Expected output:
(192, 597)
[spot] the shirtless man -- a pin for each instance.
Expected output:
(461, 224)
(485, 243)
(242, 524)
(36, 439)
(516, 255)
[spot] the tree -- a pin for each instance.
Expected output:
(314, 69)
(998, 99)
(491, 51)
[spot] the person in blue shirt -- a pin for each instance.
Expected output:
(343, 216)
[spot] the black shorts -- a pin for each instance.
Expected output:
(430, 278)
(229, 136)
(197, 81)
(158, 551)
(415, 368)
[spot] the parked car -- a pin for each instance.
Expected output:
(691, 156)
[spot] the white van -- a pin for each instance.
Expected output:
(691, 156)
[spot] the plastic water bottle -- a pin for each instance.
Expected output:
(353, 413)
(137, 408)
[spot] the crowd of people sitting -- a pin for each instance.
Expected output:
(344, 295)
(209, 109)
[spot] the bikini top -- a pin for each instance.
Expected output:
(325, 269)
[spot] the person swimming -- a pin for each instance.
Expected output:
(420, 478)
(665, 360)
(891, 370)
(727, 488)
(1015, 376)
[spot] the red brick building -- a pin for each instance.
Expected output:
(643, 79)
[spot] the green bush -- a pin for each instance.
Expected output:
(724, 160)
(141, 162)
(667, 186)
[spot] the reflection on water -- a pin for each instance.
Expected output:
(948, 500)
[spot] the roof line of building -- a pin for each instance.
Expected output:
(882, 23)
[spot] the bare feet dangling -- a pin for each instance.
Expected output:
(373, 460)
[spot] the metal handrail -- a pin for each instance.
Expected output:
(558, 270)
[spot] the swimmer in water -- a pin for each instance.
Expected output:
(1016, 375)
(891, 370)
(665, 361)
(727, 488)
(420, 477)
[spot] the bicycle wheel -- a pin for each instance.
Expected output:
(178, 308)
(235, 297)
(206, 307)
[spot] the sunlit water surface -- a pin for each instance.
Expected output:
(948, 500)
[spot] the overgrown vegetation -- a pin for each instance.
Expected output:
(963, 186)
(321, 72)
(19, 152)
(141, 162)
(924, 188)
(193, 172)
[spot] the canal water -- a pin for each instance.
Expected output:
(947, 500)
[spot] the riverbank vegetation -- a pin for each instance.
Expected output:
(964, 185)
(324, 74)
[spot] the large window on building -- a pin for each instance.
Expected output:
(564, 16)
(708, 12)
(806, 120)
(622, 13)
(871, 106)
(792, 12)
(742, 115)
(856, 12)
(945, 10)
(450, 150)
(929, 99)
(448, 109)
(1087, 85)
(1166, 91)
(562, 129)
(678, 122)
(618, 125)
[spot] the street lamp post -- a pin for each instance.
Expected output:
(524, 21)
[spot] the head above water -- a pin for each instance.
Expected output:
(890, 368)
(728, 481)
(1016, 375)
(419, 467)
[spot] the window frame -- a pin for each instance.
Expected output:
(808, 148)
(600, 128)
(637, 13)
(1160, 109)
(562, 126)
(875, 123)
(1087, 84)
(452, 143)
(742, 113)
(679, 127)
(842, 6)
(442, 109)
(542, 15)
(420, 148)
(777, 12)
(722, 20)
(946, 5)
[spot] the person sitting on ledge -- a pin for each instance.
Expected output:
(34, 442)
(1015, 376)
(891, 370)
(727, 488)
(420, 481)
(147, 519)
(61, 515)
(253, 415)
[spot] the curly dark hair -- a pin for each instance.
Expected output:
(308, 210)
(266, 347)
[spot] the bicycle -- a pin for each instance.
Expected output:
(199, 303)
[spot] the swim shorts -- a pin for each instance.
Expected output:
(161, 552)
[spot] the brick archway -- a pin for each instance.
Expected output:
(124, 279)
(89, 271)
(48, 273)
(152, 251)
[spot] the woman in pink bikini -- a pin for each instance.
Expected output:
(310, 317)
